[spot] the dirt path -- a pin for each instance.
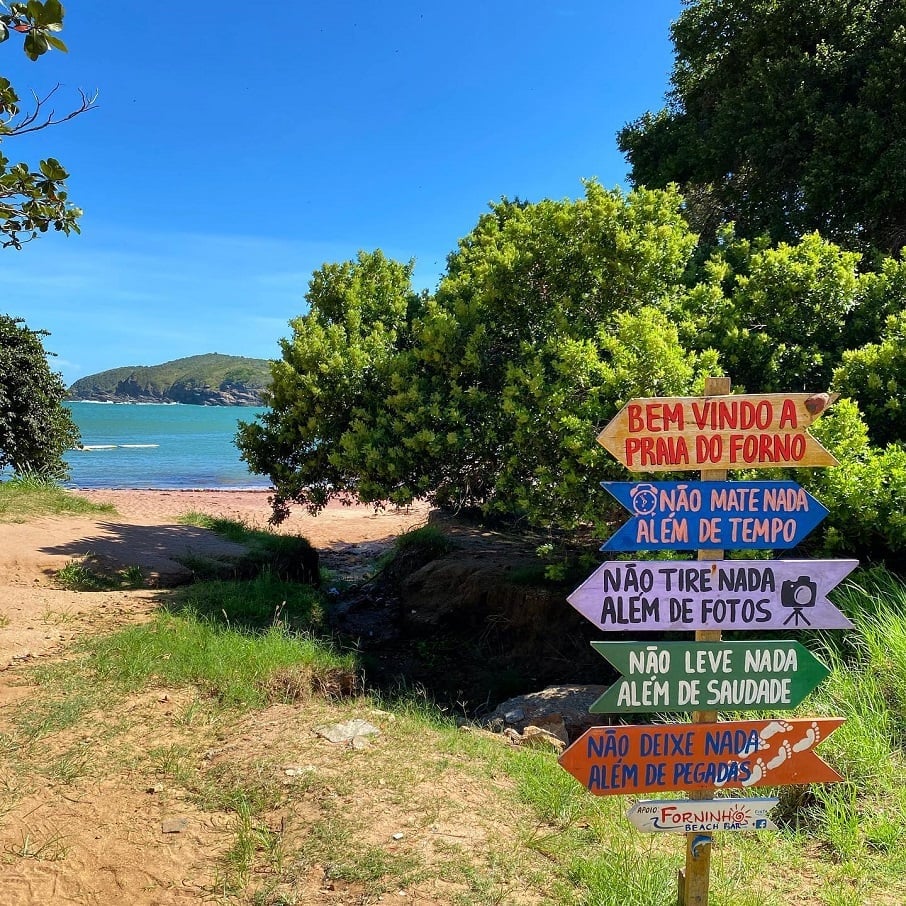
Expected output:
(37, 617)
(87, 820)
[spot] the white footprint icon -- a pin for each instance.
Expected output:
(784, 753)
(775, 727)
(757, 773)
(812, 735)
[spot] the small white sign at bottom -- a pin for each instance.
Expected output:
(687, 816)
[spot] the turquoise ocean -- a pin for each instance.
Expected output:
(159, 446)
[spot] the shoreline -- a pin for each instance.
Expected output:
(131, 402)
(252, 507)
(174, 489)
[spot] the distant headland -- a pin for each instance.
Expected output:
(202, 380)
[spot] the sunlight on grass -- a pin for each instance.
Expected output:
(245, 645)
(231, 529)
(29, 497)
(233, 665)
(89, 575)
(288, 557)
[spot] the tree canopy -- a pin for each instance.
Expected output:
(550, 316)
(33, 200)
(334, 368)
(875, 375)
(491, 393)
(782, 316)
(785, 117)
(35, 429)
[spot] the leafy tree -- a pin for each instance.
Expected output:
(561, 393)
(33, 200)
(875, 376)
(490, 394)
(546, 321)
(35, 428)
(866, 493)
(784, 116)
(334, 366)
(781, 317)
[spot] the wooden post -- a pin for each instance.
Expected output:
(695, 880)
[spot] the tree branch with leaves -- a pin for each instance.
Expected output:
(34, 200)
(36, 429)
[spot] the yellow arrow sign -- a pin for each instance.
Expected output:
(676, 434)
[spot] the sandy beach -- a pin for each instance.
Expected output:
(39, 618)
(337, 523)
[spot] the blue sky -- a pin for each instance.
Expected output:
(237, 147)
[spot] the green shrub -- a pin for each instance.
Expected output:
(866, 493)
(875, 376)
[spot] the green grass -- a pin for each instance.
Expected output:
(256, 847)
(245, 644)
(237, 667)
(595, 857)
(88, 575)
(231, 529)
(412, 549)
(862, 820)
(427, 538)
(29, 497)
(373, 866)
(847, 839)
(289, 557)
(239, 532)
(40, 846)
(68, 693)
(256, 604)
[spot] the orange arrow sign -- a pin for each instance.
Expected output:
(736, 754)
(669, 434)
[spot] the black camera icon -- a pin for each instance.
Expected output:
(801, 592)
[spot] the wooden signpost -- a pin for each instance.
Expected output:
(684, 676)
(685, 816)
(688, 515)
(718, 432)
(713, 433)
(739, 754)
(693, 882)
(652, 596)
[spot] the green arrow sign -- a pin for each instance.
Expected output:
(689, 676)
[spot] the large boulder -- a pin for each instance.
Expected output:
(561, 710)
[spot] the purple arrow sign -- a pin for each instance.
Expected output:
(690, 515)
(652, 596)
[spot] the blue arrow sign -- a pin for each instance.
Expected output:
(693, 515)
